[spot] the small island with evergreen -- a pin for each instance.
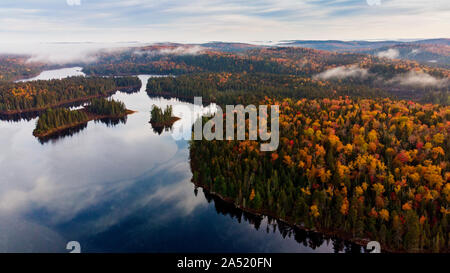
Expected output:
(53, 121)
(162, 119)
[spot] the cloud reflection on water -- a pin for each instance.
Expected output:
(74, 174)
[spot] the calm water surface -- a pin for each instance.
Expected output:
(57, 74)
(123, 188)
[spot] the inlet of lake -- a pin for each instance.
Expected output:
(124, 188)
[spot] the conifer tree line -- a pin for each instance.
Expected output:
(161, 116)
(23, 96)
(61, 117)
(106, 107)
(250, 88)
(128, 82)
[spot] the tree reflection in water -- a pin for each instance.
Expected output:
(160, 129)
(69, 132)
(309, 239)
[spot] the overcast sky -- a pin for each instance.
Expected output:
(231, 20)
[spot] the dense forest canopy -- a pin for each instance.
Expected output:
(372, 168)
(247, 88)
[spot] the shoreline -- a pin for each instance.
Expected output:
(362, 242)
(168, 95)
(332, 233)
(67, 102)
(164, 124)
(261, 213)
(91, 117)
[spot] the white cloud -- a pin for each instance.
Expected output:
(419, 78)
(62, 57)
(62, 53)
(342, 72)
(182, 50)
(177, 50)
(391, 53)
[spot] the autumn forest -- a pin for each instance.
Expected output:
(364, 148)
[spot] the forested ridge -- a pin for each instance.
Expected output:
(185, 64)
(16, 67)
(275, 60)
(247, 88)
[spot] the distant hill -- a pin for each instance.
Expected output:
(345, 46)
(433, 52)
(338, 46)
(434, 42)
(229, 47)
(430, 54)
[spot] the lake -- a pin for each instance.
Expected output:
(122, 187)
(57, 74)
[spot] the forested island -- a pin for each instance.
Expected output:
(23, 97)
(162, 119)
(53, 121)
